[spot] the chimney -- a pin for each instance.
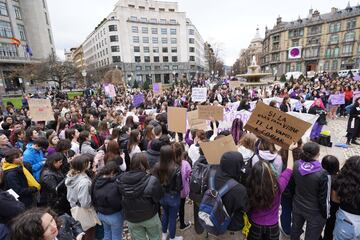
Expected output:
(278, 20)
(334, 10)
(316, 13)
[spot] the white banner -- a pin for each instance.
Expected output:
(199, 94)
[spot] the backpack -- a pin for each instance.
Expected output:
(198, 181)
(213, 216)
(123, 147)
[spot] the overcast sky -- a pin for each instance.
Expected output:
(229, 22)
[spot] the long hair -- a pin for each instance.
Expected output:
(167, 164)
(133, 139)
(51, 160)
(347, 183)
(237, 130)
(149, 135)
(179, 150)
(262, 186)
(112, 151)
(84, 135)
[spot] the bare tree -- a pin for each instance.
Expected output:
(213, 54)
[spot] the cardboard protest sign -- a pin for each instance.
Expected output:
(138, 99)
(177, 119)
(276, 126)
(337, 99)
(214, 150)
(199, 94)
(157, 88)
(41, 110)
(195, 122)
(208, 112)
(234, 84)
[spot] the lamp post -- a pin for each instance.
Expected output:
(174, 75)
(84, 73)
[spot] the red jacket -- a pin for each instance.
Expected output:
(348, 95)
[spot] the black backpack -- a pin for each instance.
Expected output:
(123, 147)
(199, 181)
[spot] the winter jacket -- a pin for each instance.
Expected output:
(273, 158)
(36, 159)
(106, 196)
(311, 188)
(53, 192)
(87, 149)
(153, 157)
(15, 179)
(78, 190)
(9, 207)
(175, 184)
(141, 194)
(235, 200)
(315, 110)
(69, 228)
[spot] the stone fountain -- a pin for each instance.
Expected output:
(254, 75)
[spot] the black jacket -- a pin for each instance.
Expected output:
(285, 107)
(53, 191)
(16, 180)
(153, 157)
(141, 194)
(175, 183)
(321, 112)
(9, 207)
(69, 229)
(236, 200)
(106, 196)
(353, 126)
(310, 192)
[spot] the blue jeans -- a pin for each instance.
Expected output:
(170, 203)
(347, 226)
(113, 225)
(285, 217)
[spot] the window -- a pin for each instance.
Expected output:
(131, 6)
(147, 58)
(134, 29)
(141, 7)
(136, 39)
(133, 18)
(154, 30)
(172, 21)
(162, 9)
(351, 24)
(144, 30)
(192, 49)
(146, 49)
(136, 49)
(174, 50)
(138, 68)
(295, 42)
(175, 67)
(165, 59)
(166, 67)
(350, 36)
(155, 50)
(314, 30)
(112, 28)
(164, 31)
(151, 8)
(335, 27)
(164, 40)
(173, 41)
(358, 48)
(50, 38)
(145, 39)
(314, 40)
(296, 32)
(148, 68)
(191, 40)
(17, 12)
(153, 20)
(156, 59)
(336, 52)
(143, 19)
(191, 32)
(174, 58)
(334, 39)
(137, 59)
(114, 38)
(334, 65)
(173, 31)
(326, 65)
(311, 52)
(171, 10)
(163, 21)
(8, 50)
(22, 32)
(116, 59)
(155, 40)
(157, 68)
(5, 29)
(164, 49)
(3, 9)
(347, 49)
(192, 58)
(328, 53)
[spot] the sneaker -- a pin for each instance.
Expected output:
(185, 227)
(164, 236)
(177, 238)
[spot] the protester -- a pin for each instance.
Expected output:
(34, 156)
(353, 127)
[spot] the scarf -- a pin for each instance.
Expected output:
(306, 168)
(30, 179)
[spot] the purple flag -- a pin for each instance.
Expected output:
(138, 99)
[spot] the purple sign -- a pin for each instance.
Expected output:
(356, 78)
(337, 99)
(156, 88)
(138, 99)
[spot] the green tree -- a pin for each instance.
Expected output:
(146, 85)
(283, 78)
(136, 84)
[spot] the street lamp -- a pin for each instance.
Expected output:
(84, 73)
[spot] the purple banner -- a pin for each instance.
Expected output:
(138, 99)
(337, 99)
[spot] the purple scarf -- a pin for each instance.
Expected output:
(306, 168)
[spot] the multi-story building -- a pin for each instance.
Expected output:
(146, 39)
(78, 58)
(28, 22)
(322, 42)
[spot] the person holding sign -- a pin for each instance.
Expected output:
(265, 189)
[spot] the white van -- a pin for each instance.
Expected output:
(295, 75)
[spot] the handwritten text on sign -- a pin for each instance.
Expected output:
(41, 110)
(208, 112)
(276, 126)
(199, 94)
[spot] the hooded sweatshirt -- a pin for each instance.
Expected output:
(78, 190)
(235, 200)
(246, 153)
(274, 158)
(36, 159)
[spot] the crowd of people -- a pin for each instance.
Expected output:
(104, 163)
